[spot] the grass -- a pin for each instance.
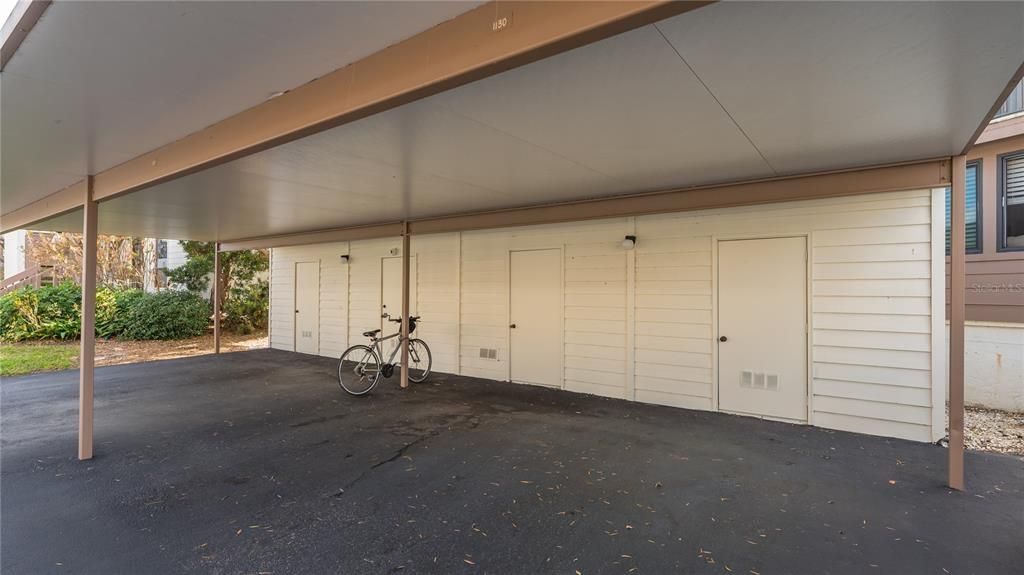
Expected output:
(22, 359)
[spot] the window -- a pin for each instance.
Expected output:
(1011, 202)
(971, 210)
(161, 249)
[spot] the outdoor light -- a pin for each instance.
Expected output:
(344, 258)
(629, 243)
(395, 251)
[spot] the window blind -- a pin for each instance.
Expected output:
(971, 228)
(1013, 182)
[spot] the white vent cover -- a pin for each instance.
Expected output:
(759, 380)
(486, 353)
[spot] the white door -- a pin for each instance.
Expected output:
(762, 327)
(391, 295)
(307, 307)
(535, 314)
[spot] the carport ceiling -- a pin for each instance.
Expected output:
(729, 92)
(97, 83)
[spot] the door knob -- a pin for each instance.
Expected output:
(723, 338)
(513, 326)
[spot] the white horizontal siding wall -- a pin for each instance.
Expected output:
(873, 349)
(364, 297)
(871, 306)
(437, 297)
(350, 294)
(333, 296)
(594, 358)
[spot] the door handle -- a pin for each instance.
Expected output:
(723, 339)
(513, 326)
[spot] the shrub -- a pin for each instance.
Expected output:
(247, 307)
(113, 308)
(49, 312)
(168, 314)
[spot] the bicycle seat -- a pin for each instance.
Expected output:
(371, 333)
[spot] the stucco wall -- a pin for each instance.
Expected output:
(994, 365)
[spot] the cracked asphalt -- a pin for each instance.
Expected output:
(256, 462)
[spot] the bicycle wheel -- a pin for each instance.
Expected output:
(419, 360)
(358, 370)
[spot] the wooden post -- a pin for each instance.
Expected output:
(405, 304)
(87, 354)
(957, 258)
(216, 297)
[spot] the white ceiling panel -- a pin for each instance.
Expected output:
(819, 86)
(627, 107)
(98, 83)
(726, 93)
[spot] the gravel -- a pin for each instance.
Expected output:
(992, 430)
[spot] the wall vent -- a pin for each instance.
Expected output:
(759, 380)
(486, 353)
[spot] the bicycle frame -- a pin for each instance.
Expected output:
(379, 348)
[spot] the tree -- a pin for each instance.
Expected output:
(118, 258)
(238, 269)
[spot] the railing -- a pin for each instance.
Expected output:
(1014, 103)
(34, 276)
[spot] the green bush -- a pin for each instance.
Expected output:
(49, 312)
(247, 307)
(113, 308)
(167, 315)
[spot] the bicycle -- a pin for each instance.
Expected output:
(360, 367)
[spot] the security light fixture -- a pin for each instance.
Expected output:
(344, 258)
(629, 242)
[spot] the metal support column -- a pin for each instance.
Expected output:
(405, 304)
(216, 297)
(956, 322)
(87, 355)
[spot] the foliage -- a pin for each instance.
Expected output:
(118, 258)
(113, 308)
(169, 314)
(49, 312)
(247, 307)
(22, 359)
(244, 296)
(54, 313)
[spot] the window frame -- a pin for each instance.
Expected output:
(1001, 202)
(978, 206)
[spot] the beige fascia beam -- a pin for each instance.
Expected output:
(888, 178)
(456, 52)
(469, 47)
(57, 204)
(21, 20)
(387, 230)
(822, 185)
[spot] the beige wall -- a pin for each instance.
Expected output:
(992, 275)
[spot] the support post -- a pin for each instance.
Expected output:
(957, 308)
(405, 304)
(87, 354)
(216, 297)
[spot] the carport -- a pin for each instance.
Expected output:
(266, 125)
